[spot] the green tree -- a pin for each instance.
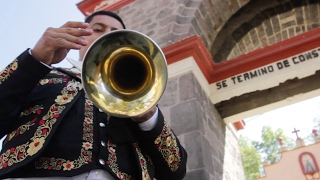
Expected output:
(251, 158)
(253, 153)
(269, 146)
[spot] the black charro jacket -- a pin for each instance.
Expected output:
(53, 129)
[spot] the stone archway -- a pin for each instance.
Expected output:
(205, 42)
(262, 23)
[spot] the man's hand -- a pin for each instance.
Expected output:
(144, 117)
(55, 43)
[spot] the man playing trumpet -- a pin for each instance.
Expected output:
(54, 131)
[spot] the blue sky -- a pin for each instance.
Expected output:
(23, 23)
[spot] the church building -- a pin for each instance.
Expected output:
(302, 162)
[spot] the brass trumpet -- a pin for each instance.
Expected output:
(124, 73)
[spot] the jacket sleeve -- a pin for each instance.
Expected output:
(16, 82)
(162, 145)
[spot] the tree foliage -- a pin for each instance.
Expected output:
(251, 158)
(269, 145)
(253, 153)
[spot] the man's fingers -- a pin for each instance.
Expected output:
(63, 43)
(55, 43)
(61, 37)
(75, 24)
(74, 31)
(74, 28)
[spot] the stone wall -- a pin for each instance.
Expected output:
(153, 18)
(211, 147)
(228, 28)
(280, 25)
(232, 159)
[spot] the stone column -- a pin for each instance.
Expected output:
(200, 129)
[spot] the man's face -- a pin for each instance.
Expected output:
(100, 24)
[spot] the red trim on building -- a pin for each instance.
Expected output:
(193, 46)
(89, 6)
(239, 125)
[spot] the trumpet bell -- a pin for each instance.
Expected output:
(124, 73)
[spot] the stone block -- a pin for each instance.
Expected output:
(291, 32)
(218, 167)
(288, 24)
(275, 24)
(170, 95)
(210, 24)
(234, 5)
(299, 16)
(187, 11)
(268, 28)
(254, 37)
(192, 3)
(183, 19)
(314, 13)
(165, 21)
(272, 39)
(181, 29)
(278, 37)
(199, 174)
(187, 87)
(193, 145)
(260, 31)
(196, 27)
(166, 113)
(185, 117)
(147, 21)
(284, 34)
(207, 154)
(164, 13)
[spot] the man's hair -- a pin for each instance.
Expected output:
(107, 13)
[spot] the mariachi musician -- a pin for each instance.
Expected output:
(55, 131)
